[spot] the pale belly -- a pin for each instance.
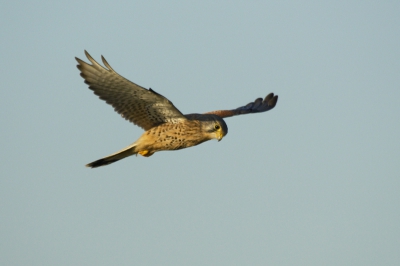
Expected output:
(170, 137)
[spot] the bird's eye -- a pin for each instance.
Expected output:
(217, 127)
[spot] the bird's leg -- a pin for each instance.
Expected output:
(146, 153)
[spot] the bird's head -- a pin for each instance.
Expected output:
(215, 127)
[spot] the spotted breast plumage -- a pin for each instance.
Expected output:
(166, 128)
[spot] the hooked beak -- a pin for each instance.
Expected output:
(219, 136)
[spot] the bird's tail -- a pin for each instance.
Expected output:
(125, 152)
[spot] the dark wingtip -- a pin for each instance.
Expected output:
(273, 101)
(268, 97)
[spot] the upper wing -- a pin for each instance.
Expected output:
(145, 108)
(258, 106)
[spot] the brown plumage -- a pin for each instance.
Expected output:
(166, 128)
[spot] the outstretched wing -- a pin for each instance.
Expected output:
(258, 106)
(145, 108)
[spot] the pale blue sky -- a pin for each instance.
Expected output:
(315, 181)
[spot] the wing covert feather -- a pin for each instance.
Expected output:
(143, 107)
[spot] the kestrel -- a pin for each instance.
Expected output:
(166, 128)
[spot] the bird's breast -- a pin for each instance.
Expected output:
(170, 136)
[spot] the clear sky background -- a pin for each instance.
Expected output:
(315, 181)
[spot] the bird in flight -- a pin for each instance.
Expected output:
(166, 128)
